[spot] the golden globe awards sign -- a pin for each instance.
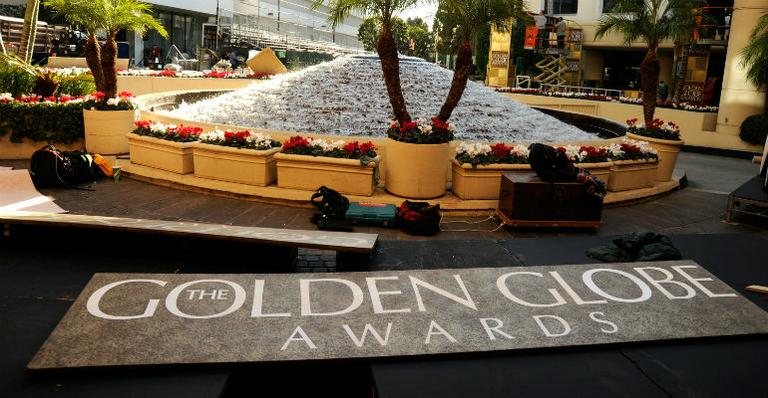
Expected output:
(145, 319)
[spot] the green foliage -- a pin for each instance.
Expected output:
(650, 21)
(75, 85)
(108, 15)
(369, 31)
(44, 122)
(423, 40)
(755, 54)
(754, 129)
(15, 80)
(339, 10)
(482, 46)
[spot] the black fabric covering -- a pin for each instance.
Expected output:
(636, 246)
(714, 367)
(752, 189)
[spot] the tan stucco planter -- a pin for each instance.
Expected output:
(105, 131)
(418, 171)
(161, 154)
(482, 181)
(309, 173)
(600, 170)
(668, 151)
(247, 166)
(632, 174)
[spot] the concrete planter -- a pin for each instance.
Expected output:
(482, 181)
(668, 151)
(632, 174)
(161, 154)
(417, 171)
(308, 173)
(246, 166)
(600, 170)
(105, 131)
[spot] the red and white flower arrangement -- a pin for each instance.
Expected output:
(478, 153)
(124, 101)
(33, 99)
(630, 149)
(299, 145)
(169, 132)
(656, 129)
(421, 131)
(244, 139)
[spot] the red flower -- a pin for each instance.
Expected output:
(242, 135)
(351, 147)
(367, 147)
(143, 124)
(439, 124)
(629, 148)
(125, 94)
(295, 142)
(98, 95)
(408, 126)
(500, 149)
(561, 149)
(50, 98)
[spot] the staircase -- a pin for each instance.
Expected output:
(552, 68)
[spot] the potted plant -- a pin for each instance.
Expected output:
(237, 156)
(594, 159)
(165, 147)
(477, 168)
(417, 158)
(664, 137)
(635, 165)
(346, 166)
(107, 121)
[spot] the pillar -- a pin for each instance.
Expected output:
(497, 71)
(739, 98)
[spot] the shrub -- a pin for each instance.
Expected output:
(42, 121)
(754, 129)
(15, 80)
(81, 84)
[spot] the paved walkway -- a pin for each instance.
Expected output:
(696, 209)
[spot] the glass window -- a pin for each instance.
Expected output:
(563, 6)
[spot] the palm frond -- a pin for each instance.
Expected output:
(755, 54)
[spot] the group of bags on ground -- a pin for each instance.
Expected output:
(336, 213)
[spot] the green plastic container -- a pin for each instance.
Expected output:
(374, 214)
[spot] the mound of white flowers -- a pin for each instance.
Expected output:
(347, 96)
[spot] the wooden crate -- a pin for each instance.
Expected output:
(526, 200)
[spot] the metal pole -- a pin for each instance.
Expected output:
(278, 15)
(2, 44)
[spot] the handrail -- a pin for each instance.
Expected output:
(581, 89)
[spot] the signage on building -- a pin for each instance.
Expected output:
(499, 59)
(531, 33)
(148, 319)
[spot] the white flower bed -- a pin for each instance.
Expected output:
(347, 96)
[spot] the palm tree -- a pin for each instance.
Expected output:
(109, 16)
(755, 54)
(650, 21)
(386, 46)
(29, 31)
(466, 18)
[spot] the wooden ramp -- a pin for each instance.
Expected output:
(323, 240)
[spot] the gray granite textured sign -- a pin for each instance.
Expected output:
(144, 319)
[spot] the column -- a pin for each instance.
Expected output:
(739, 98)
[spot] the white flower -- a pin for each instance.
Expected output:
(614, 151)
(572, 152)
(473, 149)
(6, 97)
(215, 135)
(158, 127)
(520, 150)
(113, 101)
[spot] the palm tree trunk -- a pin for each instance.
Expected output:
(29, 31)
(649, 74)
(390, 67)
(93, 58)
(459, 82)
(108, 60)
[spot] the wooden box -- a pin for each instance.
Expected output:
(526, 200)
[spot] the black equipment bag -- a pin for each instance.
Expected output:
(330, 203)
(419, 218)
(50, 168)
(550, 164)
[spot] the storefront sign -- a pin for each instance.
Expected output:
(147, 319)
(531, 33)
(499, 59)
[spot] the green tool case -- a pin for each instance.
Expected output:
(375, 214)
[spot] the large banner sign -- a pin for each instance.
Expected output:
(531, 34)
(145, 319)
